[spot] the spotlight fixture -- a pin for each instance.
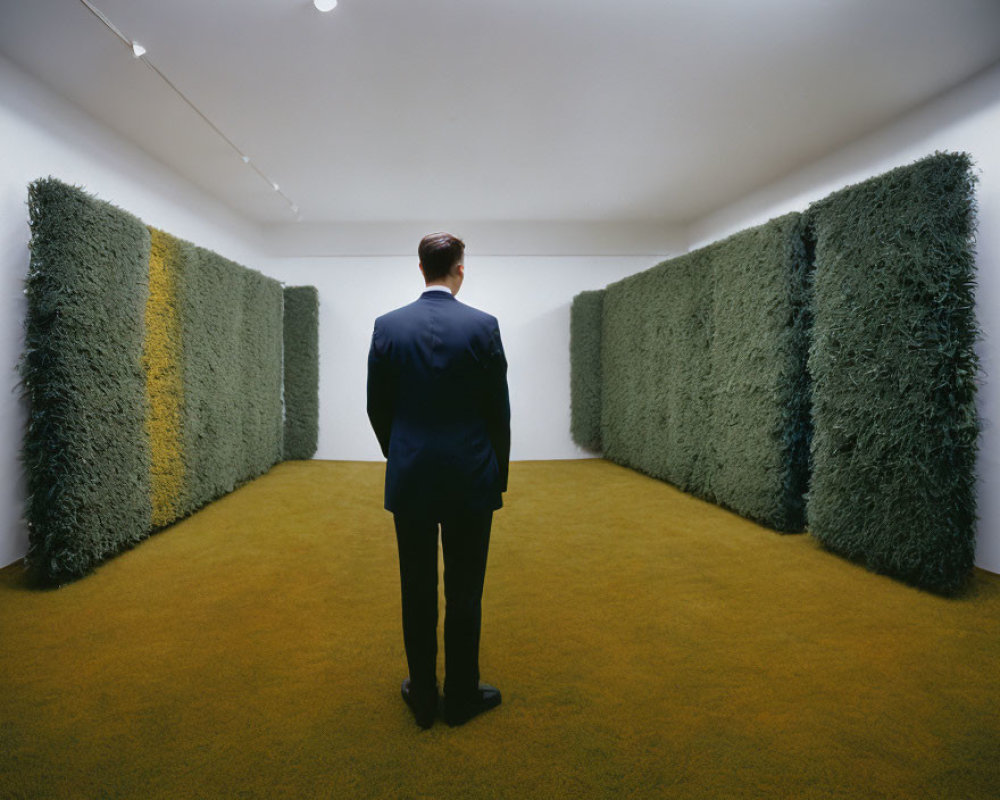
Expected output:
(246, 159)
(325, 5)
(138, 50)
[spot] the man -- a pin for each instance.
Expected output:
(438, 402)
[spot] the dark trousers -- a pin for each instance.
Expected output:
(465, 540)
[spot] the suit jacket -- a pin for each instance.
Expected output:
(438, 402)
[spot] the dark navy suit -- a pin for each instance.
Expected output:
(438, 402)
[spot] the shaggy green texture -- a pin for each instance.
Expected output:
(301, 371)
(231, 323)
(88, 450)
(655, 367)
(760, 426)
(703, 372)
(85, 452)
(585, 369)
(893, 366)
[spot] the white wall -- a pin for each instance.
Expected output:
(530, 295)
(43, 135)
(513, 238)
(967, 118)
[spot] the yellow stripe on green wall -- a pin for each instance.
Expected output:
(164, 385)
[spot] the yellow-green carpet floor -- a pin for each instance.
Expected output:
(647, 644)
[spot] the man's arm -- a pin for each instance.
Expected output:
(381, 393)
(498, 406)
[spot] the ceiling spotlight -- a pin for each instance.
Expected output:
(246, 159)
(138, 50)
(276, 187)
(325, 5)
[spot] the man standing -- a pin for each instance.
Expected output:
(438, 402)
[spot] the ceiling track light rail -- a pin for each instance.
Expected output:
(139, 52)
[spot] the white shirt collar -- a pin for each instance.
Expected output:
(437, 289)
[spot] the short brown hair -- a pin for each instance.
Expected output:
(439, 252)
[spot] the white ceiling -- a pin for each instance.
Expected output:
(392, 110)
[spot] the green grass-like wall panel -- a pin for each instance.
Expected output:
(655, 392)
(585, 369)
(261, 374)
(702, 369)
(232, 329)
(153, 371)
(760, 425)
(85, 452)
(301, 371)
(893, 366)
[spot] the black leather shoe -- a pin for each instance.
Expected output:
(422, 704)
(458, 712)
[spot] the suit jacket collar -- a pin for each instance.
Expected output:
(434, 294)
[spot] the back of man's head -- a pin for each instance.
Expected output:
(439, 252)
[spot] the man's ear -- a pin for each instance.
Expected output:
(420, 266)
